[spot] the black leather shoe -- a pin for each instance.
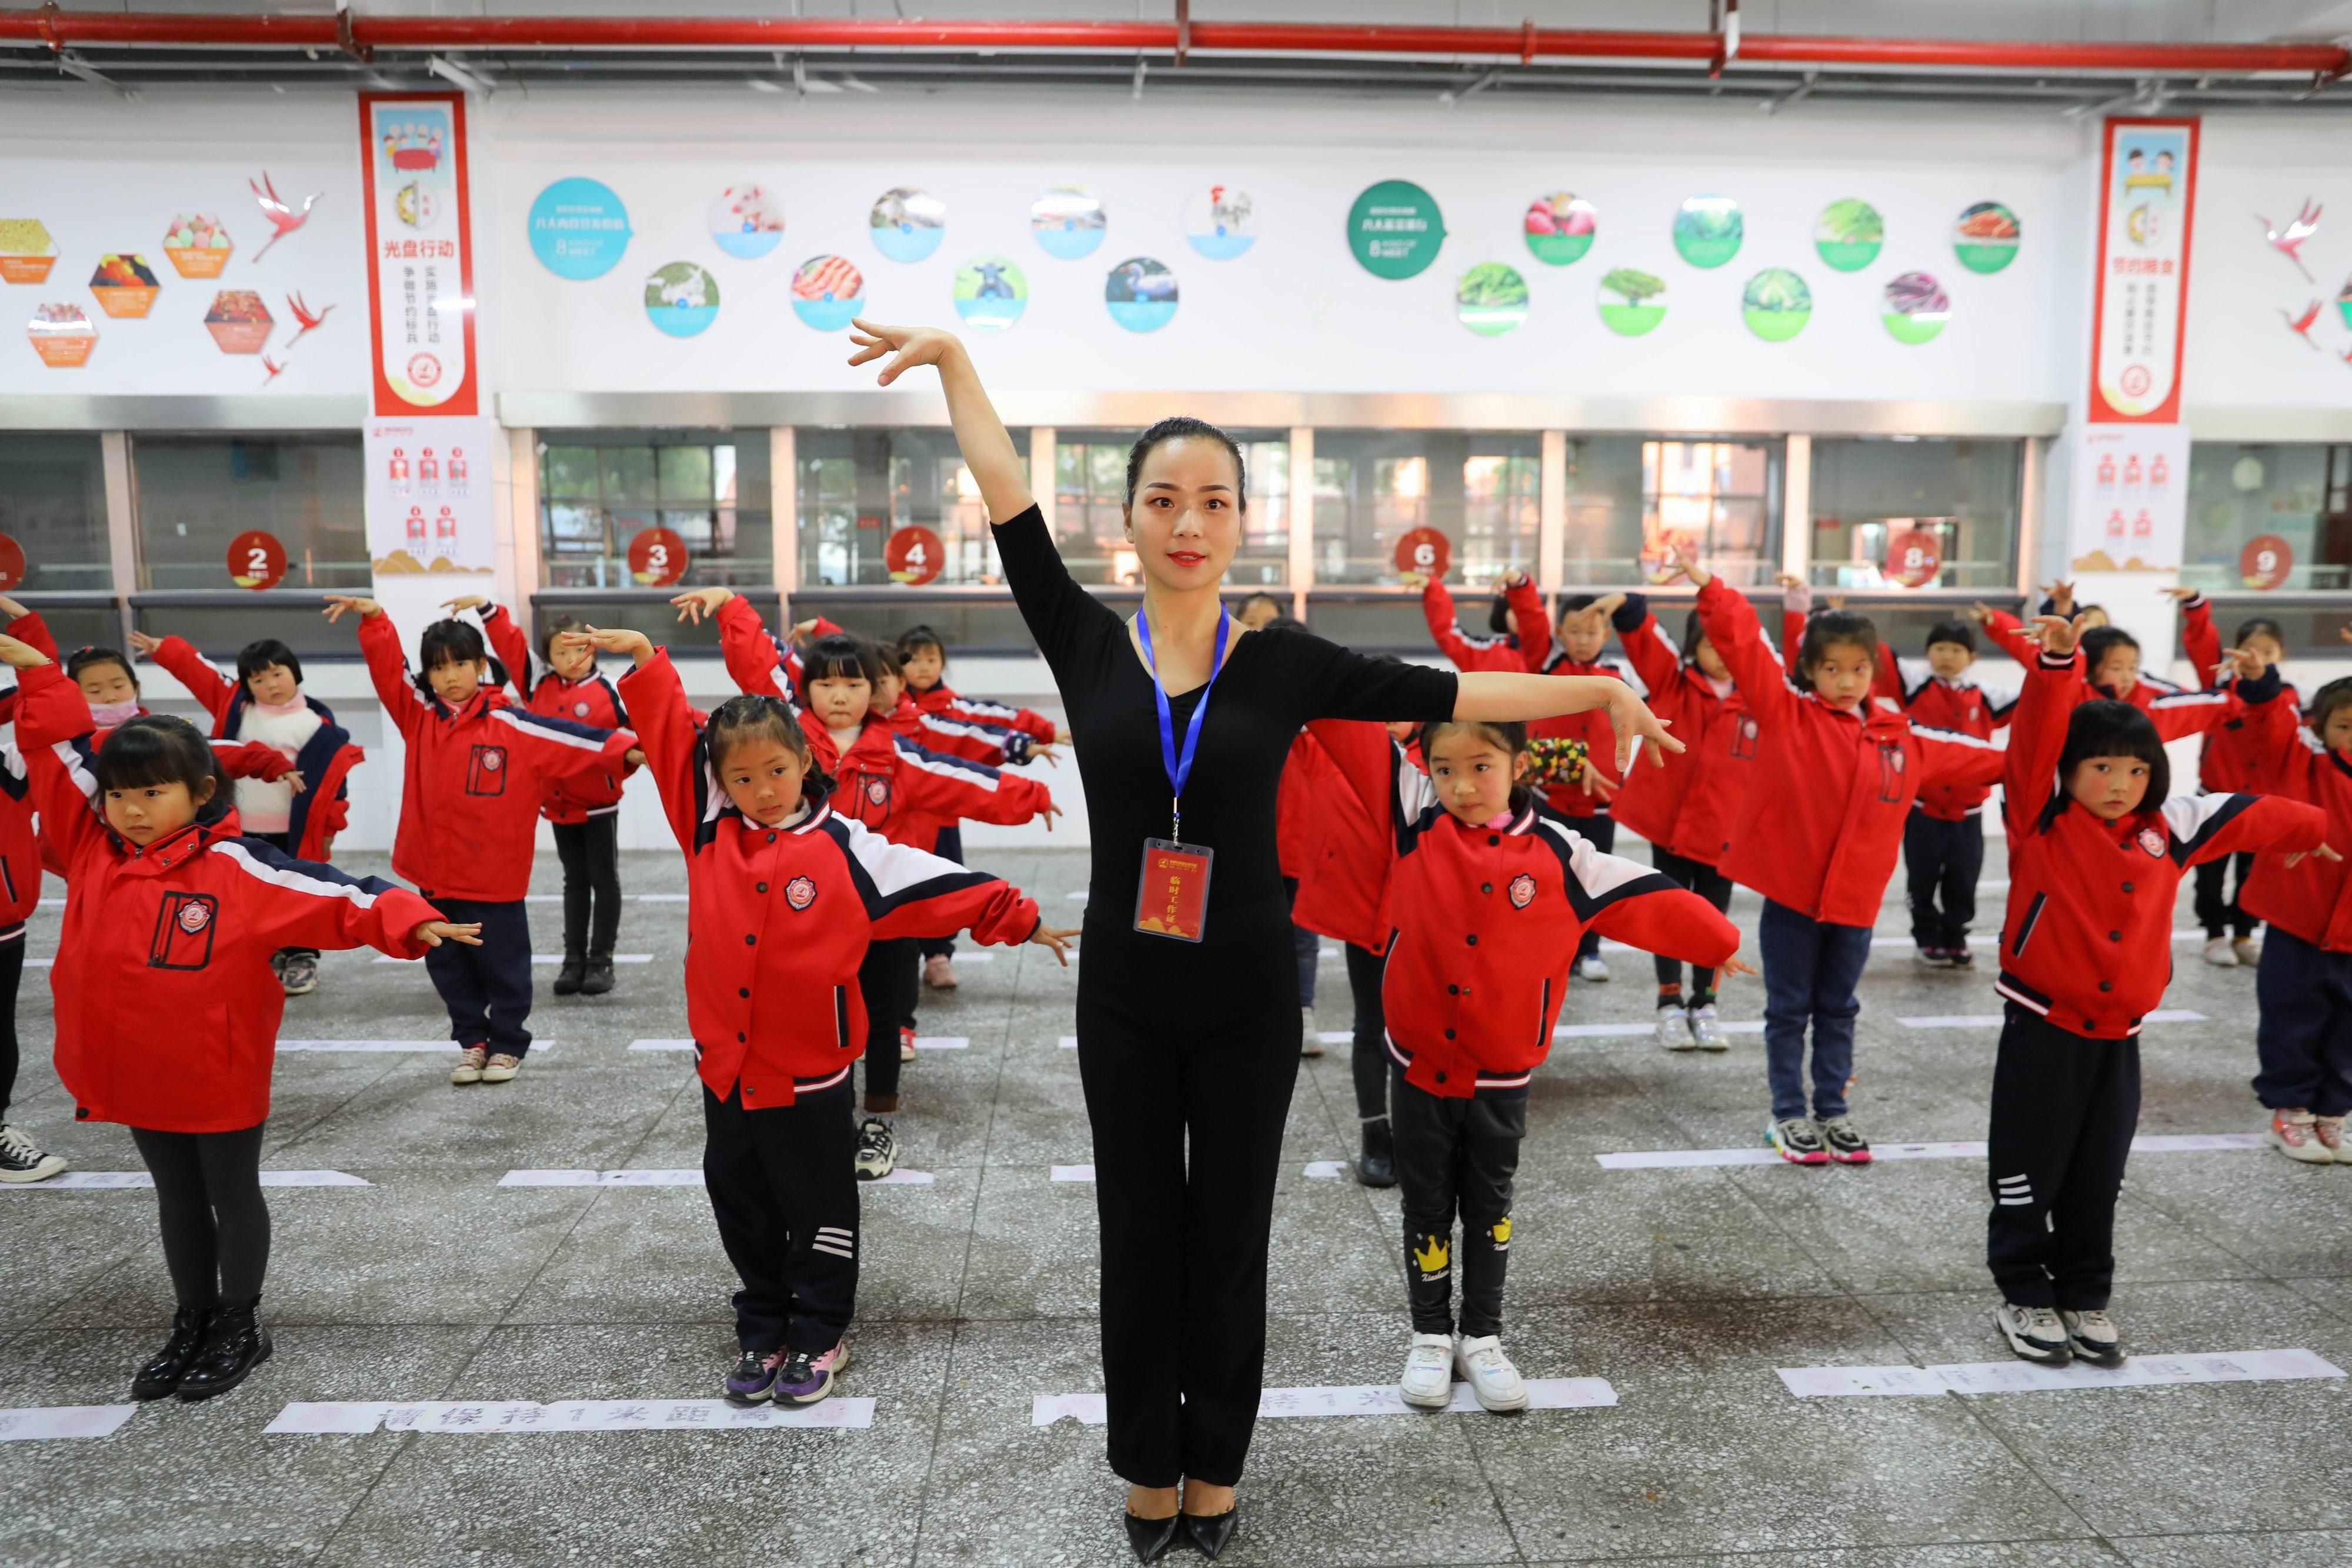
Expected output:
(1209, 1532)
(237, 1344)
(1376, 1166)
(161, 1376)
(599, 978)
(568, 978)
(1150, 1537)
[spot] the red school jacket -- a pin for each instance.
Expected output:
(1960, 706)
(1503, 653)
(2178, 712)
(20, 849)
(473, 777)
(1822, 821)
(166, 1009)
(2087, 939)
(782, 916)
(937, 698)
(321, 807)
(1487, 922)
(951, 734)
(592, 702)
(1348, 859)
(1688, 804)
(2313, 897)
(1591, 727)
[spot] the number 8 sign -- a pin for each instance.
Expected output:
(256, 560)
(1914, 557)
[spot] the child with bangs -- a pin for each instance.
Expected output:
(2239, 757)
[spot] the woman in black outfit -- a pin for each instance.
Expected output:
(1187, 1049)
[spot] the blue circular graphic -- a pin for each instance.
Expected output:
(908, 224)
(1140, 294)
(1068, 222)
(579, 228)
(747, 221)
(828, 292)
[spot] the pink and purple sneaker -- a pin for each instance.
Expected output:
(806, 1376)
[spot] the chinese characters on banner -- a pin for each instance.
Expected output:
(2130, 503)
(2145, 196)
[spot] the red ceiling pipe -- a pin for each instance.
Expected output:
(2175, 59)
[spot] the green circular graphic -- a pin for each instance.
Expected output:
(1848, 233)
(1708, 231)
(1395, 229)
(1631, 301)
(1986, 237)
(1490, 299)
(1915, 308)
(1559, 228)
(1777, 304)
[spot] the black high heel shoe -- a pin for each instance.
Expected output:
(1209, 1532)
(1150, 1537)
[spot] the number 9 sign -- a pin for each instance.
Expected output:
(658, 557)
(1912, 558)
(914, 556)
(256, 560)
(1423, 550)
(2265, 562)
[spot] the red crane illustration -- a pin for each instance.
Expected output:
(304, 314)
(2301, 325)
(275, 370)
(283, 219)
(2288, 241)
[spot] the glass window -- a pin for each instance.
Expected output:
(1868, 488)
(198, 492)
(1482, 489)
(2297, 493)
(1610, 510)
(53, 504)
(858, 487)
(1723, 497)
(597, 488)
(1090, 517)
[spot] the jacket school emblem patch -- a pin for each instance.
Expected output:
(877, 791)
(800, 892)
(1523, 891)
(2152, 842)
(493, 759)
(580, 710)
(194, 917)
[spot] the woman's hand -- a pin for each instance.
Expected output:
(1633, 722)
(1059, 941)
(338, 602)
(907, 346)
(21, 656)
(2058, 633)
(610, 639)
(463, 602)
(144, 645)
(697, 603)
(2322, 853)
(433, 933)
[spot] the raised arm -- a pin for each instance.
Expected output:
(1656, 659)
(525, 669)
(1730, 623)
(178, 660)
(1525, 601)
(667, 730)
(2037, 724)
(387, 664)
(53, 731)
(2200, 640)
(1377, 772)
(1446, 630)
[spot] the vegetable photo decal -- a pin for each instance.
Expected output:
(1915, 307)
(1631, 301)
(1490, 299)
(908, 224)
(1986, 237)
(991, 292)
(1848, 233)
(124, 285)
(1067, 222)
(1140, 294)
(681, 299)
(827, 291)
(1777, 304)
(1559, 228)
(1708, 231)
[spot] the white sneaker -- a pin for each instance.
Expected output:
(2293, 1135)
(469, 1065)
(1490, 1375)
(1675, 1027)
(2093, 1337)
(878, 1150)
(23, 1161)
(1707, 1030)
(2035, 1333)
(1428, 1380)
(2220, 954)
(1593, 968)
(2329, 1130)
(2249, 952)
(1310, 1044)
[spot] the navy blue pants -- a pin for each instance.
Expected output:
(1811, 969)
(2304, 1037)
(488, 988)
(1942, 859)
(2063, 1110)
(2221, 916)
(949, 845)
(1601, 832)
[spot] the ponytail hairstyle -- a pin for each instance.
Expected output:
(1183, 427)
(914, 639)
(83, 657)
(453, 642)
(756, 716)
(1826, 630)
(2104, 727)
(1508, 735)
(161, 749)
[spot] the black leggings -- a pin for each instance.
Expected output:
(591, 853)
(2213, 912)
(12, 973)
(1710, 884)
(1370, 1051)
(948, 845)
(208, 1199)
(884, 981)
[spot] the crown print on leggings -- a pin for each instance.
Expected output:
(1499, 1233)
(1431, 1254)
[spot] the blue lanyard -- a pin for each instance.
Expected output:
(1180, 769)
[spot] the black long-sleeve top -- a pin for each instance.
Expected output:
(1273, 682)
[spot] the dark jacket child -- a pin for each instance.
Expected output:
(583, 813)
(1943, 839)
(2096, 857)
(1469, 1019)
(474, 772)
(1834, 775)
(784, 896)
(21, 1159)
(2236, 758)
(166, 1012)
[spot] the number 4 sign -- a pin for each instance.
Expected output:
(914, 555)
(256, 560)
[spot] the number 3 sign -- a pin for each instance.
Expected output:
(256, 560)
(914, 555)
(1423, 550)
(658, 557)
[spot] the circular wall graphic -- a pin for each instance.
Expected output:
(681, 299)
(747, 221)
(1631, 301)
(1068, 222)
(914, 556)
(1559, 228)
(1423, 550)
(827, 291)
(1915, 307)
(1986, 237)
(1395, 229)
(256, 560)
(908, 224)
(1490, 299)
(1914, 556)
(1220, 222)
(2266, 561)
(579, 228)
(658, 557)
(991, 292)
(1141, 294)
(12, 564)
(1848, 233)
(1777, 304)
(1708, 229)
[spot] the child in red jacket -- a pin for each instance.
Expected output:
(164, 1020)
(785, 897)
(1522, 633)
(21, 1159)
(1469, 1017)
(1943, 839)
(475, 771)
(2096, 857)
(1575, 649)
(1835, 773)
(2236, 758)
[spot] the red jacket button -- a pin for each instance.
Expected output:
(750, 940)
(1440, 1078)
(762, 887)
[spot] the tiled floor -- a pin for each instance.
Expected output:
(1683, 1288)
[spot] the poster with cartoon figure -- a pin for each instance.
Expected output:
(420, 251)
(2141, 313)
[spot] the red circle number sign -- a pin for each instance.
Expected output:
(1423, 550)
(2265, 562)
(12, 564)
(914, 555)
(658, 557)
(256, 560)
(1914, 557)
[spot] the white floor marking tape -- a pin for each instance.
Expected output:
(1372, 1399)
(1608, 1031)
(1073, 1172)
(558, 897)
(483, 1417)
(43, 1422)
(661, 1045)
(117, 1181)
(2146, 1143)
(537, 1048)
(1994, 1020)
(652, 1178)
(962, 957)
(1069, 1041)
(535, 958)
(1077, 897)
(2025, 1377)
(1324, 1170)
(942, 1043)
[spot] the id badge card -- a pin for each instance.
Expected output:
(1174, 896)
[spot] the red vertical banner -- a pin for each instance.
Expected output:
(2147, 189)
(420, 240)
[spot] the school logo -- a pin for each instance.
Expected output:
(1523, 891)
(580, 710)
(877, 791)
(493, 759)
(194, 918)
(800, 892)
(1892, 762)
(486, 770)
(1743, 738)
(2152, 841)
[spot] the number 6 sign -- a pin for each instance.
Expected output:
(914, 555)
(256, 560)
(1423, 550)
(658, 557)
(1914, 557)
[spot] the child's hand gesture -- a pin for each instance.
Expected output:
(1686, 565)
(291, 777)
(1732, 966)
(464, 601)
(610, 639)
(432, 933)
(144, 645)
(2180, 595)
(907, 346)
(806, 628)
(1059, 941)
(2343, 633)
(1046, 813)
(1984, 615)
(338, 602)
(1594, 782)
(697, 603)
(21, 656)
(2061, 597)
(1416, 580)
(2058, 633)
(2322, 853)
(633, 759)
(2243, 663)
(1042, 752)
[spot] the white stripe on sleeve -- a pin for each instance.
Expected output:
(291, 880)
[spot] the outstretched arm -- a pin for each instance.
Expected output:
(1499, 694)
(987, 447)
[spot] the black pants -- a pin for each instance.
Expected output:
(1710, 884)
(2304, 1036)
(1306, 947)
(2063, 1110)
(1370, 1054)
(285, 841)
(12, 974)
(1456, 1157)
(1188, 1055)
(2212, 913)
(948, 847)
(785, 1198)
(488, 988)
(1601, 832)
(1942, 858)
(591, 853)
(888, 972)
(208, 1200)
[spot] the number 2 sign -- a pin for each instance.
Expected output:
(914, 555)
(1423, 550)
(256, 560)
(658, 557)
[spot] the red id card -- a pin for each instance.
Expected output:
(1173, 897)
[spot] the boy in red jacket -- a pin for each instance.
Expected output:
(21, 1159)
(1943, 840)
(1575, 649)
(785, 896)
(2095, 857)
(164, 1022)
(1469, 1017)
(473, 774)
(2237, 759)
(1522, 633)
